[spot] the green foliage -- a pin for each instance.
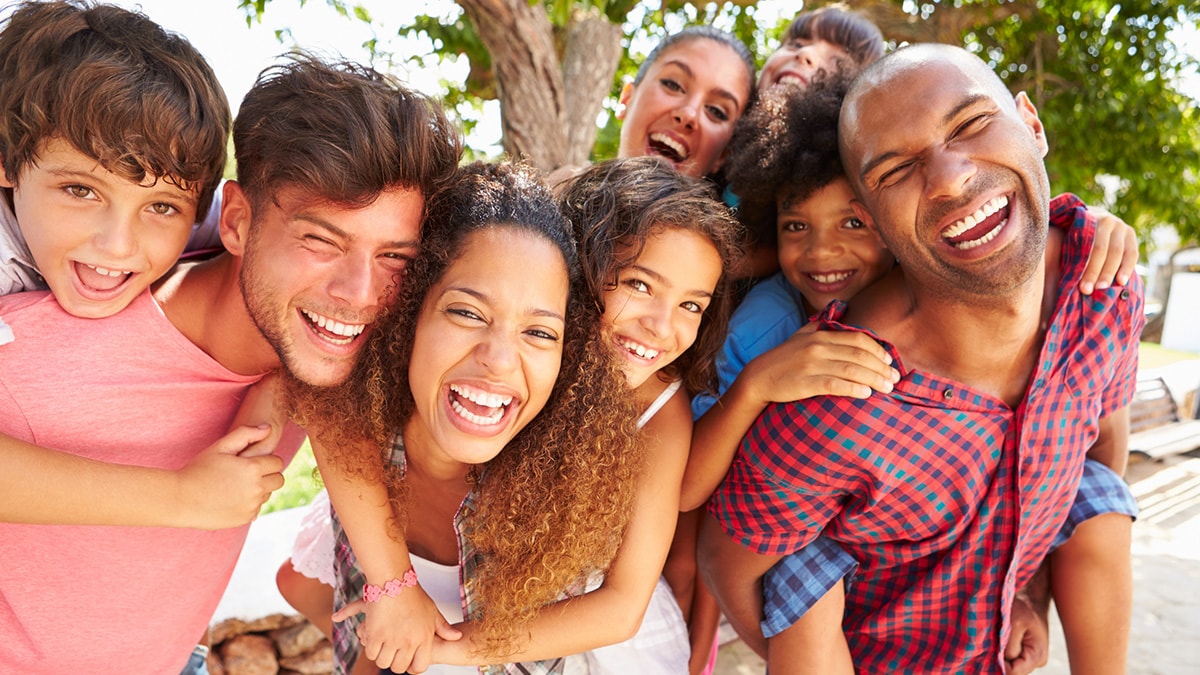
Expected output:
(1102, 75)
(300, 483)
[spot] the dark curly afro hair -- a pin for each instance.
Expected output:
(785, 148)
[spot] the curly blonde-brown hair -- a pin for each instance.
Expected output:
(552, 506)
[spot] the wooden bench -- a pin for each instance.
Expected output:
(1156, 429)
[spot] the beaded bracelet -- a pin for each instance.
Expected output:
(372, 593)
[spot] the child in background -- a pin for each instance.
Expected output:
(824, 42)
(790, 175)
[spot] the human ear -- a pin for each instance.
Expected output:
(1029, 115)
(235, 218)
(4, 181)
(623, 99)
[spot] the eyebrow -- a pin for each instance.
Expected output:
(487, 300)
(658, 278)
(719, 91)
(948, 118)
(334, 229)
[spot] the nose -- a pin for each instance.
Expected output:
(357, 283)
(117, 236)
(685, 113)
(805, 55)
(824, 244)
(497, 351)
(947, 173)
(657, 319)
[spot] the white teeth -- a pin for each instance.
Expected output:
(830, 278)
(493, 418)
(481, 397)
(790, 79)
(107, 272)
(670, 143)
(993, 205)
(968, 245)
(641, 350)
(345, 330)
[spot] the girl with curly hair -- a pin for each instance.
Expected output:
(508, 442)
(656, 248)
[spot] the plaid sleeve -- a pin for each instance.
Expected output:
(1127, 327)
(799, 580)
(1101, 491)
(767, 503)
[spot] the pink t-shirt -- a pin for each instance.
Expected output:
(129, 389)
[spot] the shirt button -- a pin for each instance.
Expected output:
(1124, 294)
(948, 393)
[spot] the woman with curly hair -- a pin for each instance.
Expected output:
(656, 248)
(508, 441)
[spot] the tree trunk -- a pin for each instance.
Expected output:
(532, 100)
(590, 61)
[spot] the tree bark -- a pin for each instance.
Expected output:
(590, 61)
(519, 39)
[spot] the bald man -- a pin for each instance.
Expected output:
(949, 492)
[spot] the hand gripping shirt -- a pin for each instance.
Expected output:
(948, 498)
(350, 582)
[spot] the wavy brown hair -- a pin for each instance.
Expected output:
(341, 132)
(552, 505)
(786, 147)
(615, 206)
(119, 88)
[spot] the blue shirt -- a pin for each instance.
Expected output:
(772, 311)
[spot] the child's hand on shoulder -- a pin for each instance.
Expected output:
(228, 482)
(822, 363)
(221, 487)
(1114, 253)
(398, 631)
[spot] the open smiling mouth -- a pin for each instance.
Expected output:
(332, 331)
(101, 279)
(477, 406)
(980, 227)
(638, 350)
(664, 145)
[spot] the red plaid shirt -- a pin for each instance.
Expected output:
(947, 497)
